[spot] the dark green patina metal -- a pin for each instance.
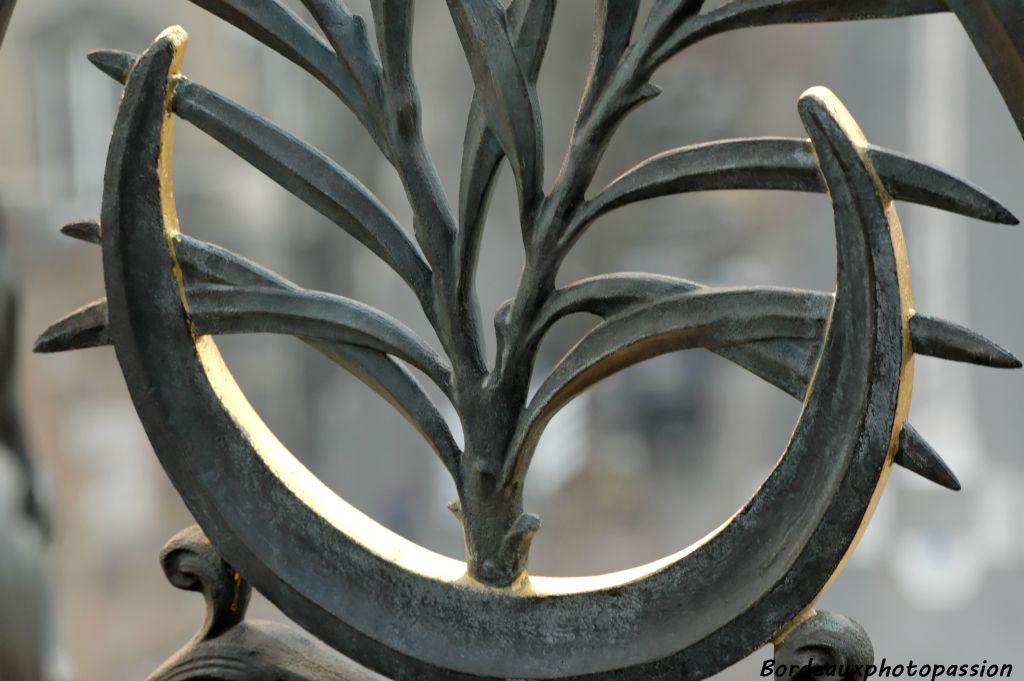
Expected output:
(847, 354)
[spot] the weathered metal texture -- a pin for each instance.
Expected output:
(826, 645)
(227, 648)
(397, 607)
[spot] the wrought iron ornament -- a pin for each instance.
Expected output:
(398, 608)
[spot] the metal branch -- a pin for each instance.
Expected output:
(786, 363)
(615, 21)
(750, 13)
(709, 319)
(507, 97)
(434, 223)
(347, 34)
(204, 263)
(301, 169)
(778, 163)
(277, 27)
(530, 26)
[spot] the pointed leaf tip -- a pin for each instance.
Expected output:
(115, 63)
(917, 456)
(910, 180)
(946, 340)
(86, 327)
(85, 230)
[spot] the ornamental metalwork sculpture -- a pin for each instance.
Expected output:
(398, 608)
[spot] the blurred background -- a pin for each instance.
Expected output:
(641, 466)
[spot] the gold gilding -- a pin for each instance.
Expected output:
(899, 247)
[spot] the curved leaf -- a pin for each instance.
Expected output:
(916, 455)
(434, 222)
(750, 13)
(308, 314)
(786, 363)
(505, 92)
(85, 230)
(393, 24)
(402, 390)
(530, 24)
(347, 34)
(946, 340)
(86, 327)
(301, 169)
(607, 295)
(706, 319)
(665, 17)
(615, 21)
(780, 163)
(206, 263)
(308, 174)
(277, 27)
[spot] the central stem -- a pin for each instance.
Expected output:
(496, 529)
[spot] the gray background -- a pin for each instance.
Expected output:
(642, 465)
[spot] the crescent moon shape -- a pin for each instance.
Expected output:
(410, 613)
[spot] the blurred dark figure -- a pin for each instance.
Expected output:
(29, 649)
(28, 641)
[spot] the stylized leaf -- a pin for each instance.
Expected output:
(277, 27)
(750, 13)
(665, 17)
(946, 340)
(785, 362)
(615, 21)
(701, 319)
(402, 390)
(916, 455)
(433, 220)
(347, 34)
(505, 92)
(307, 174)
(609, 295)
(530, 24)
(86, 327)
(393, 24)
(86, 230)
(117, 64)
(780, 163)
(301, 169)
(910, 180)
(219, 309)
(205, 263)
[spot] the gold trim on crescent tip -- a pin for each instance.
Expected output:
(178, 39)
(906, 384)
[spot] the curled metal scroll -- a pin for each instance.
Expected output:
(351, 582)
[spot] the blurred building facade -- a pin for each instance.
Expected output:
(649, 461)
